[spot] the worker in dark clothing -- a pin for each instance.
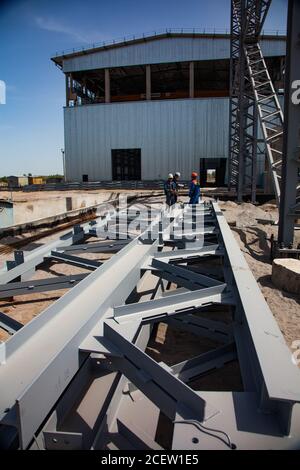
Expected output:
(170, 190)
(177, 184)
(194, 193)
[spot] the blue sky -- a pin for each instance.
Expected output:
(31, 31)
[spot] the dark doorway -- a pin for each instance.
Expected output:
(212, 172)
(85, 178)
(126, 164)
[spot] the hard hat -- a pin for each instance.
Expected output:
(170, 176)
(194, 174)
(177, 174)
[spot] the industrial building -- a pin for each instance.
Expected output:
(35, 180)
(138, 109)
(17, 181)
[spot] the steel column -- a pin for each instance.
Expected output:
(290, 185)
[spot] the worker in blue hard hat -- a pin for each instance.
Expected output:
(194, 193)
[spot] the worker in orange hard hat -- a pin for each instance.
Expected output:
(194, 193)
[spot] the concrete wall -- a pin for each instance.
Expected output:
(6, 214)
(172, 135)
(48, 205)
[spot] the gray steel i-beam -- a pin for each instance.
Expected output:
(110, 246)
(74, 260)
(9, 324)
(191, 368)
(12, 289)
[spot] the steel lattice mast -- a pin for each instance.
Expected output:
(247, 19)
(253, 96)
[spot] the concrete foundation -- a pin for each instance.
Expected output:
(286, 274)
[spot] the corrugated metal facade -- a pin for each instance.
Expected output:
(164, 50)
(172, 135)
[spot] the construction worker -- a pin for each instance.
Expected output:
(194, 193)
(177, 184)
(170, 190)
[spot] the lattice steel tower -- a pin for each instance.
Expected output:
(253, 97)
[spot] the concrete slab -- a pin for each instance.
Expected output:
(286, 274)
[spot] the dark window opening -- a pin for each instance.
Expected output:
(86, 87)
(85, 178)
(126, 164)
(128, 83)
(212, 172)
(170, 80)
(212, 78)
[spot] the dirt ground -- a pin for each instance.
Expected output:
(255, 245)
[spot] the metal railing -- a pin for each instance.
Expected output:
(159, 32)
(155, 184)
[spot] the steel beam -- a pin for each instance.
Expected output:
(13, 289)
(263, 332)
(215, 330)
(178, 255)
(206, 362)
(182, 276)
(103, 247)
(75, 260)
(155, 381)
(159, 309)
(9, 324)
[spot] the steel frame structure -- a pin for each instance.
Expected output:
(247, 18)
(88, 382)
(16, 279)
(253, 95)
